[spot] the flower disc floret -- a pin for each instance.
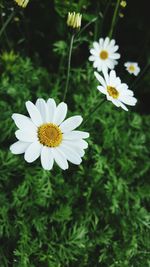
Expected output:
(50, 135)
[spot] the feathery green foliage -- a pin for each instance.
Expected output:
(95, 214)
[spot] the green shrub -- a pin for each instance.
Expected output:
(95, 214)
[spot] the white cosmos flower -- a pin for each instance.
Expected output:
(132, 68)
(115, 91)
(104, 54)
(47, 135)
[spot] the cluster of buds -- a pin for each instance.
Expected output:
(74, 20)
(22, 3)
(123, 5)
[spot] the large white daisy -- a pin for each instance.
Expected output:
(115, 91)
(132, 68)
(47, 135)
(103, 54)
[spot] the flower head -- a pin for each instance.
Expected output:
(47, 135)
(104, 54)
(115, 91)
(132, 68)
(74, 20)
(22, 3)
(123, 4)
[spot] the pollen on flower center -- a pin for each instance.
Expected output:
(131, 68)
(49, 135)
(103, 54)
(112, 91)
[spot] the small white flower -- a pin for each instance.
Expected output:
(48, 135)
(132, 68)
(104, 54)
(115, 91)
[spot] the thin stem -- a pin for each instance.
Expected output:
(68, 68)
(93, 111)
(114, 19)
(87, 25)
(6, 23)
(141, 75)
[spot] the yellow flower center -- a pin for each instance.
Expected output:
(49, 135)
(103, 54)
(131, 68)
(112, 92)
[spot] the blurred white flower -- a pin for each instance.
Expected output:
(132, 68)
(115, 91)
(103, 54)
(47, 135)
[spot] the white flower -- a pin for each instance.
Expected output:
(48, 135)
(104, 54)
(132, 68)
(115, 91)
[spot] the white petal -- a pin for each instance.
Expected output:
(93, 52)
(26, 136)
(129, 100)
(60, 113)
(42, 107)
(106, 76)
(112, 76)
(79, 150)
(115, 56)
(60, 158)
(112, 42)
(82, 144)
(70, 124)
(47, 159)
(91, 58)
(19, 147)
(34, 113)
(33, 152)
(101, 41)
(51, 107)
(96, 46)
(102, 89)
(70, 154)
(106, 42)
(123, 106)
(100, 78)
(73, 135)
(23, 122)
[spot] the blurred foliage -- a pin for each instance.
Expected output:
(95, 214)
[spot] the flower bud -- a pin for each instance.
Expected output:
(22, 3)
(74, 20)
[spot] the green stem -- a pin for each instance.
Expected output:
(68, 68)
(114, 19)
(93, 111)
(6, 23)
(87, 25)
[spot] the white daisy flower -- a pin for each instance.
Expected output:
(47, 135)
(104, 54)
(132, 68)
(115, 91)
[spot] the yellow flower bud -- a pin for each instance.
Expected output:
(123, 4)
(22, 3)
(74, 20)
(121, 15)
